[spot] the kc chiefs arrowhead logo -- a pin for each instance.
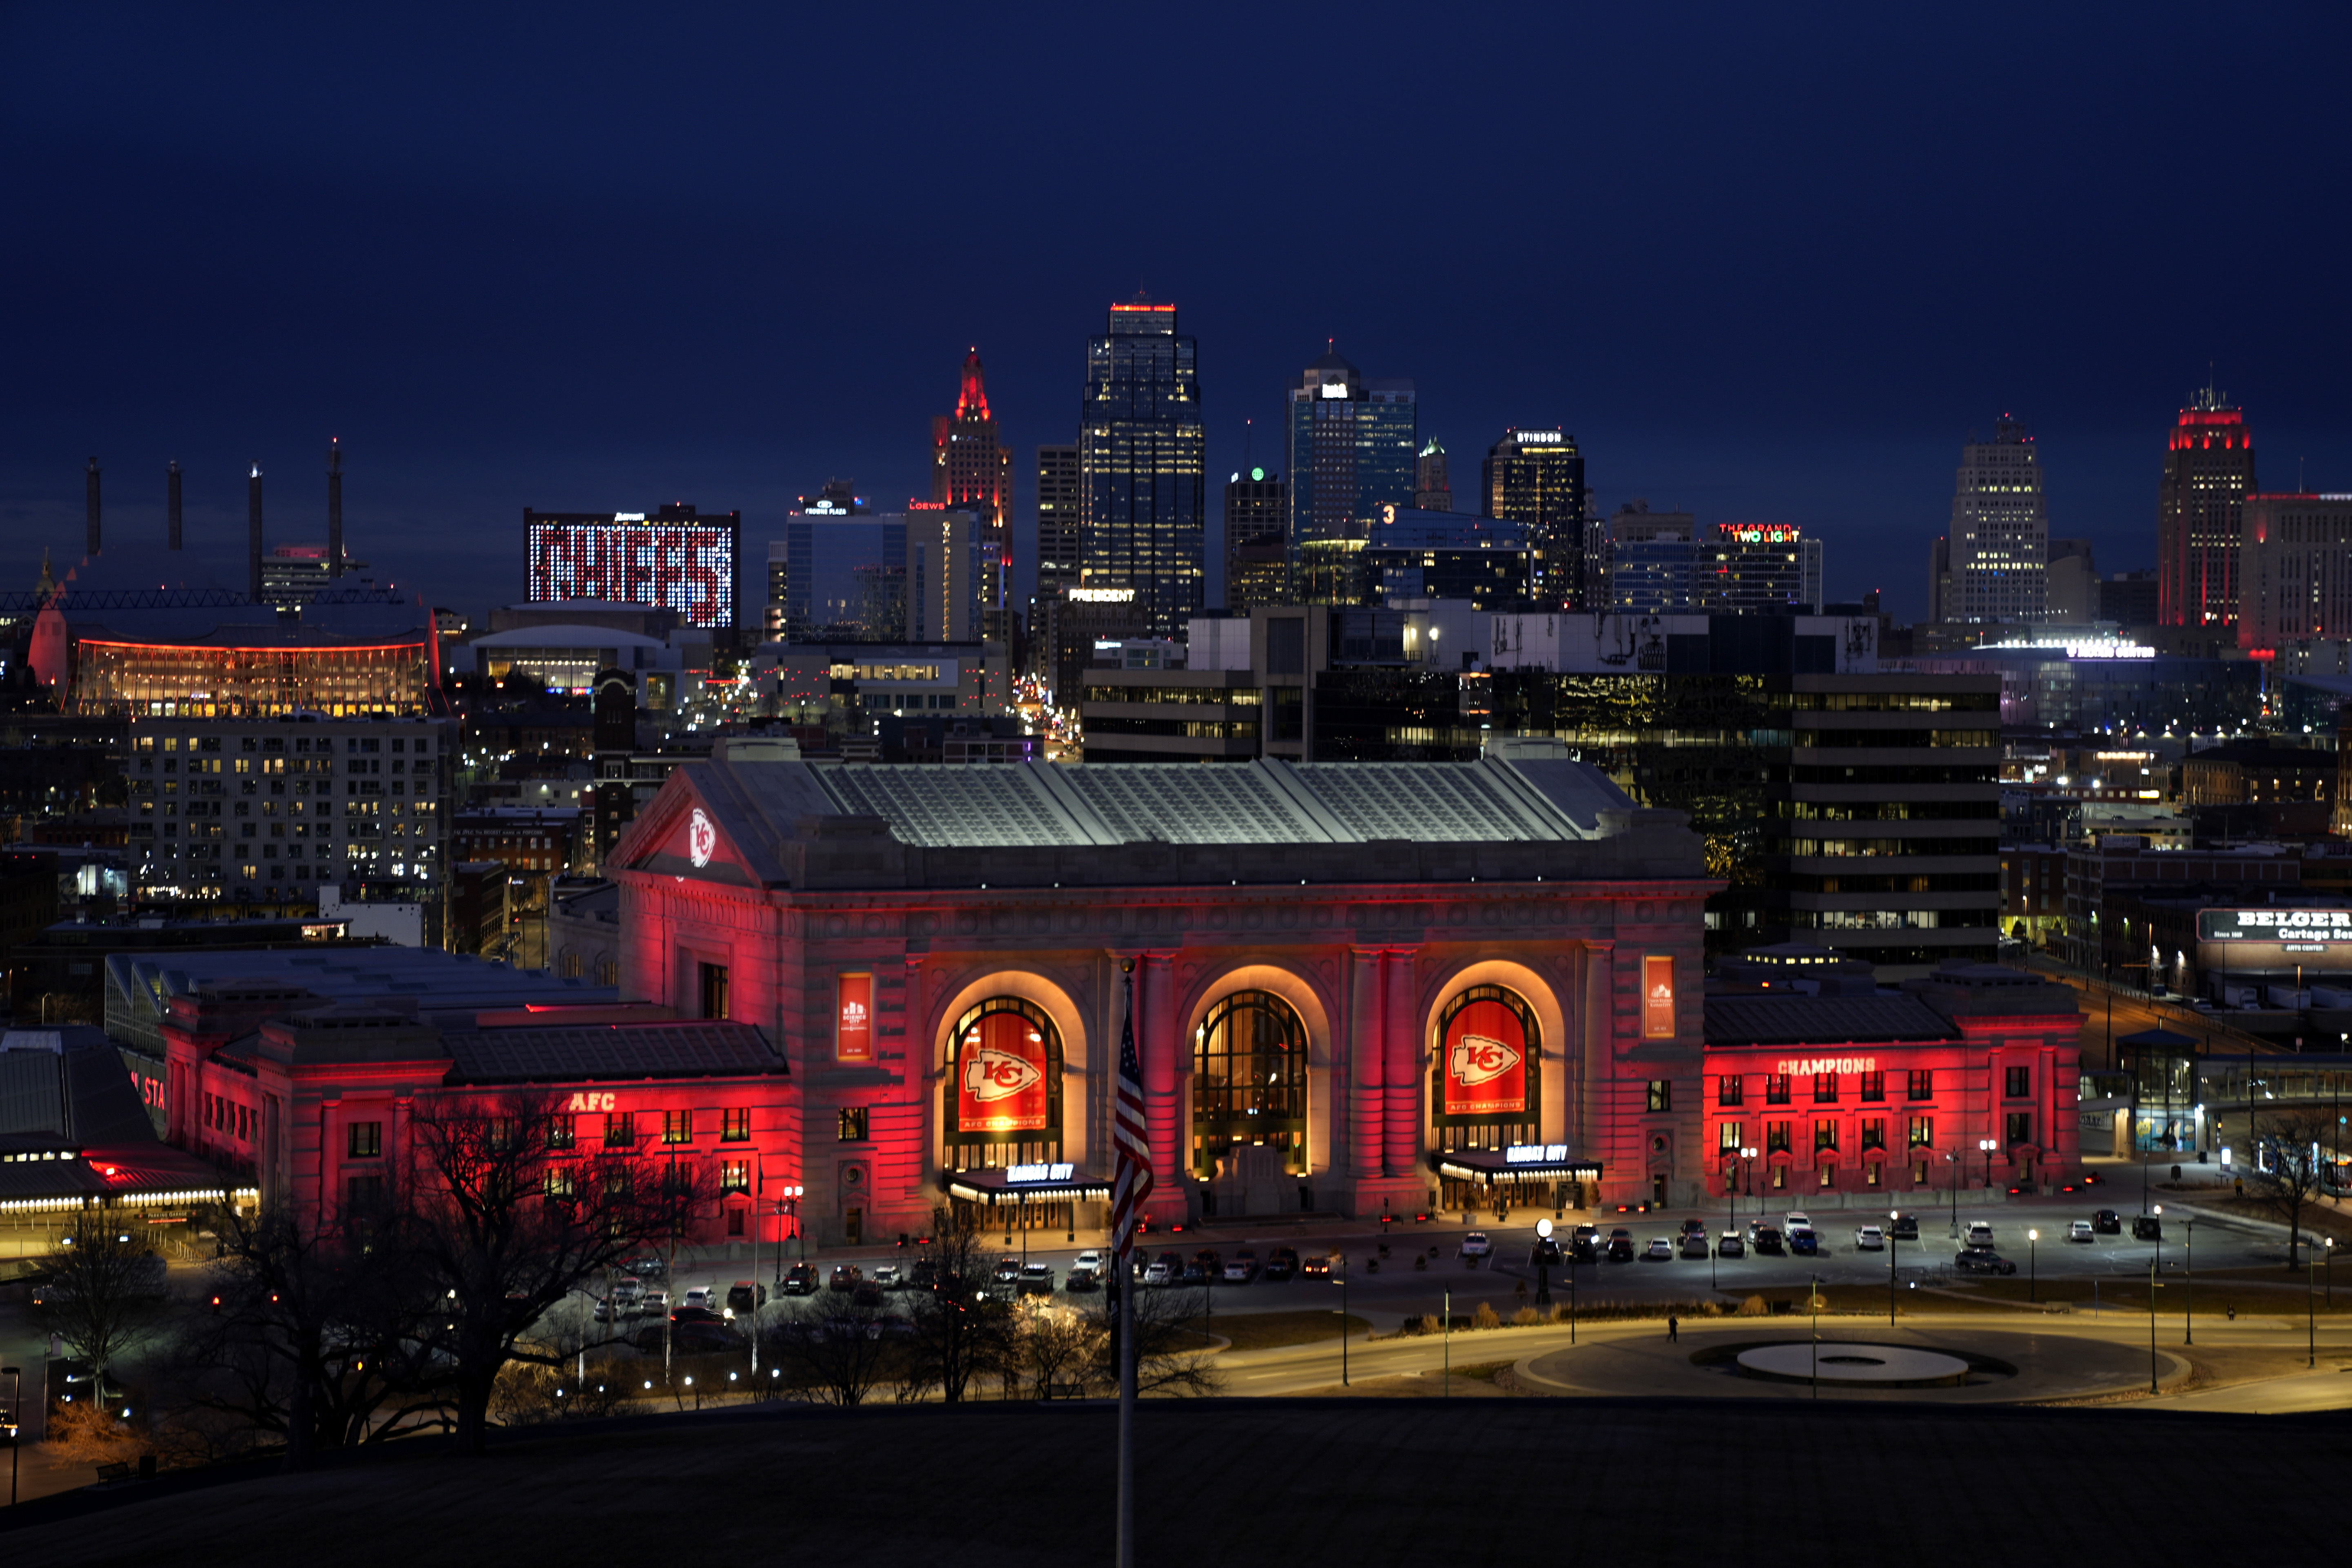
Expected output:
(701, 838)
(992, 1074)
(1477, 1059)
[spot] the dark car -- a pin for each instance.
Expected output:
(1905, 1227)
(1082, 1278)
(1316, 1267)
(1546, 1253)
(801, 1281)
(1804, 1243)
(695, 1315)
(1621, 1247)
(845, 1277)
(1693, 1227)
(924, 1276)
(1281, 1263)
(2106, 1222)
(745, 1296)
(1208, 1263)
(1693, 1243)
(1977, 1261)
(2146, 1228)
(1765, 1240)
(866, 1294)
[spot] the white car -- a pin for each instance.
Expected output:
(1478, 1244)
(1869, 1239)
(1796, 1219)
(705, 1297)
(2082, 1230)
(889, 1276)
(1092, 1262)
(1979, 1234)
(1160, 1274)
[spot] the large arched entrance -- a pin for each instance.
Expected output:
(1486, 1094)
(1002, 1097)
(1249, 1082)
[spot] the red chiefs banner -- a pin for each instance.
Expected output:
(1657, 996)
(1000, 1077)
(1485, 1061)
(853, 1031)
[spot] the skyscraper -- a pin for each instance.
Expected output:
(1142, 458)
(1257, 554)
(2208, 471)
(1431, 491)
(2000, 529)
(972, 470)
(1057, 517)
(1536, 478)
(1352, 446)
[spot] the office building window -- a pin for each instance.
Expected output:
(852, 1124)
(620, 1130)
(1775, 1136)
(2019, 1126)
(677, 1126)
(736, 1127)
(2017, 1083)
(365, 1140)
(1775, 1089)
(1825, 1089)
(1727, 1088)
(1923, 1131)
(1920, 1084)
(1661, 1094)
(1874, 1086)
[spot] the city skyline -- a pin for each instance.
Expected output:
(537, 364)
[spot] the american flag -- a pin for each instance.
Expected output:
(1131, 1184)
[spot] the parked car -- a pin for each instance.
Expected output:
(867, 1294)
(1693, 1227)
(847, 1278)
(695, 1315)
(1979, 1234)
(653, 1304)
(1037, 1280)
(2106, 1222)
(1281, 1263)
(1729, 1244)
(1316, 1267)
(1546, 1253)
(1869, 1239)
(746, 1296)
(1765, 1240)
(1796, 1219)
(2146, 1228)
(890, 1275)
(1907, 1228)
(2081, 1230)
(1802, 1242)
(648, 1267)
(1660, 1250)
(703, 1296)
(628, 1289)
(1205, 1267)
(1162, 1271)
(1082, 1278)
(1008, 1269)
(1693, 1243)
(800, 1279)
(1478, 1244)
(1584, 1244)
(1621, 1246)
(1983, 1261)
(1090, 1260)
(925, 1276)
(1243, 1268)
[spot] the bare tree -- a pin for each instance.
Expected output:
(961, 1333)
(103, 1296)
(835, 1352)
(1171, 1356)
(505, 1217)
(2288, 1163)
(318, 1336)
(1056, 1345)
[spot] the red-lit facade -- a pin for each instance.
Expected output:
(971, 468)
(1352, 1027)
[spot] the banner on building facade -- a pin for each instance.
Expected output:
(1658, 996)
(853, 1034)
(1485, 1061)
(1003, 1076)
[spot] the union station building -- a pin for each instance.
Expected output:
(1357, 987)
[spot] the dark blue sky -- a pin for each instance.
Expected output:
(1763, 263)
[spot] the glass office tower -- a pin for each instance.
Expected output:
(1353, 446)
(1142, 457)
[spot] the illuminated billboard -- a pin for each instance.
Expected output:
(675, 559)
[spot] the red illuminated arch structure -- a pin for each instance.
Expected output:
(1486, 1072)
(1002, 1099)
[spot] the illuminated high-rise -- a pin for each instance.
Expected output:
(1536, 478)
(2000, 529)
(1430, 490)
(972, 470)
(1352, 449)
(1142, 459)
(1057, 516)
(2208, 471)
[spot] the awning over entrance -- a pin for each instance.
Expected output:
(993, 1184)
(1518, 1162)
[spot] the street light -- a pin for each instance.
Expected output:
(1543, 1263)
(1748, 1176)
(1954, 1161)
(2033, 1267)
(15, 1376)
(1988, 1145)
(2188, 1287)
(1892, 1215)
(1342, 1283)
(2310, 1314)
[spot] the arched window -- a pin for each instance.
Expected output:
(1485, 1090)
(1249, 1080)
(1004, 1088)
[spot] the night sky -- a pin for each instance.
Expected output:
(1769, 264)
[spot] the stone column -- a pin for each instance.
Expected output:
(1155, 1041)
(1364, 1062)
(1595, 1117)
(1400, 1067)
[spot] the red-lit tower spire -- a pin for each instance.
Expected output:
(971, 470)
(2209, 469)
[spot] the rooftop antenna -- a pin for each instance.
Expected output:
(172, 506)
(253, 532)
(89, 503)
(334, 506)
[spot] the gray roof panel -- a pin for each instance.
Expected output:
(705, 1048)
(1799, 1020)
(971, 804)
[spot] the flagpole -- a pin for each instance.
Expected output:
(1132, 1183)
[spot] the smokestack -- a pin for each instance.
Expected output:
(171, 505)
(253, 532)
(334, 509)
(89, 503)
